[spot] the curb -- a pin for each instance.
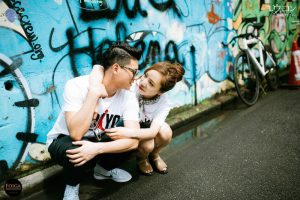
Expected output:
(33, 182)
(200, 110)
(36, 181)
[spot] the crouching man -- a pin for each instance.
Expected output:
(77, 140)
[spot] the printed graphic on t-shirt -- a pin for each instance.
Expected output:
(110, 121)
(145, 122)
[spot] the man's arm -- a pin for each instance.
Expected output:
(120, 145)
(89, 150)
(79, 122)
(131, 121)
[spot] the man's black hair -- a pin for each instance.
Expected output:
(120, 53)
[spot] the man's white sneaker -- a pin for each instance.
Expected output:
(117, 175)
(71, 192)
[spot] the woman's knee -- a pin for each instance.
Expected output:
(146, 146)
(165, 133)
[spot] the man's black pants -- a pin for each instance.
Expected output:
(73, 175)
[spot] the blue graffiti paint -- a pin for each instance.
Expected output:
(68, 37)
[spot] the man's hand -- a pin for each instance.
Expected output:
(120, 133)
(82, 154)
(95, 81)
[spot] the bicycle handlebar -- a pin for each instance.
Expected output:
(238, 36)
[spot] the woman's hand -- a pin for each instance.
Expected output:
(120, 133)
(87, 151)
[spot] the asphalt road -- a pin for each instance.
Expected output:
(243, 153)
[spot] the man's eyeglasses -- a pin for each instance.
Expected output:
(133, 71)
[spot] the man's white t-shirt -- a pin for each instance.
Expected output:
(123, 105)
(150, 112)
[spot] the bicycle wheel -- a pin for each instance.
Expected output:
(246, 79)
(272, 76)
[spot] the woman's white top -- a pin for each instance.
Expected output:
(151, 110)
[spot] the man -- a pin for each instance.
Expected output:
(76, 140)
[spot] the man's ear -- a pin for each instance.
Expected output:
(115, 68)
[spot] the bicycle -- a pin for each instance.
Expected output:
(247, 66)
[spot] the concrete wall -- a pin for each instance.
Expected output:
(46, 42)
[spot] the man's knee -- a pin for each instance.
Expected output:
(58, 148)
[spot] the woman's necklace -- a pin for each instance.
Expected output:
(144, 101)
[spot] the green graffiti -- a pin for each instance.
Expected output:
(278, 18)
(280, 39)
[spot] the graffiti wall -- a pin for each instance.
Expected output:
(44, 43)
(278, 19)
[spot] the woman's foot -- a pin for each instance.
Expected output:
(144, 166)
(159, 164)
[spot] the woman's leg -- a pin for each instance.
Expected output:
(162, 139)
(144, 148)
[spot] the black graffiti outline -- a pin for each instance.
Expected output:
(82, 50)
(28, 29)
(208, 34)
(165, 6)
(24, 53)
(90, 15)
(58, 48)
(11, 68)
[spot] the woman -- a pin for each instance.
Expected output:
(154, 133)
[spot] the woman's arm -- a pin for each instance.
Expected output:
(141, 134)
(88, 150)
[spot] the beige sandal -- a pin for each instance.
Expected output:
(159, 164)
(145, 167)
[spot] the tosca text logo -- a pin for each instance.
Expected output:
(13, 187)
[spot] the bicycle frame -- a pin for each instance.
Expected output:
(261, 64)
